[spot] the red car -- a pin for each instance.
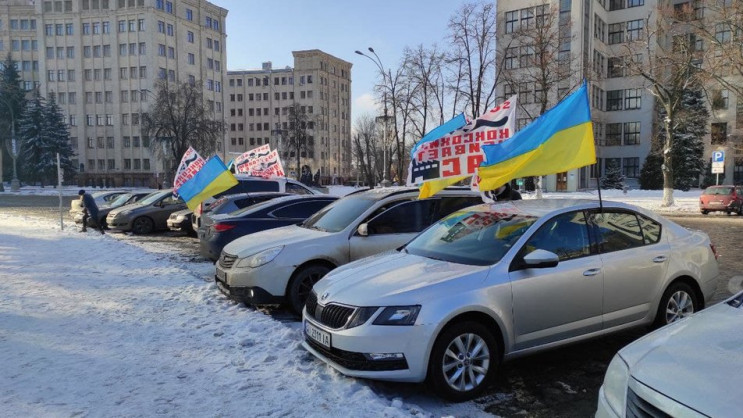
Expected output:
(726, 199)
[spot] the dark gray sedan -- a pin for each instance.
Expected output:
(148, 215)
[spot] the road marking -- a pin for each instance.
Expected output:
(735, 284)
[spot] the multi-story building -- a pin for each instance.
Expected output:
(623, 110)
(101, 59)
(259, 102)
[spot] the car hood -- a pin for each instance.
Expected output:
(131, 206)
(395, 278)
(263, 240)
(696, 361)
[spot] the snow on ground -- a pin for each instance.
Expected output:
(92, 326)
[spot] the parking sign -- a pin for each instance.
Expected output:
(718, 156)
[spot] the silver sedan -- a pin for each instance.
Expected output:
(495, 282)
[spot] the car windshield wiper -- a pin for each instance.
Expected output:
(315, 227)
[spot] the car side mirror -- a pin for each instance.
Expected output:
(363, 229)
(538, 259)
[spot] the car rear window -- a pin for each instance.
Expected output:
(718, 190)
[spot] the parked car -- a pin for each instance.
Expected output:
(181, 221)
(494, 282)
(282, 264)
(121, 200)
(101, 198)
(232, 202)
(282, 211)
(726, 199)
(250, 184)
(691, 368)
(147, 215)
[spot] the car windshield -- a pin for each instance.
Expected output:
(120, 200)
(719, 190)
(152, 198)
(339, 214)
(471, 237)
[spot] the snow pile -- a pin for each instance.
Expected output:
(93, 326)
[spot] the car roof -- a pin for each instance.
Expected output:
(253, 194)
(542, 207)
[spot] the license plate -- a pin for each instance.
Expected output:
(221, 275)
(318, 335)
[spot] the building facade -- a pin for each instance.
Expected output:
(101, 59)
(259, 103)
(623, 110)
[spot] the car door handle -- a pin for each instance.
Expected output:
(660, 259)
(591, 272)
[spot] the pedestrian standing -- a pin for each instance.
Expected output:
(90, 210)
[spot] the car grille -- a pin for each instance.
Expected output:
(356, 361)
(640, 408)
(332, 315)
(226, 260)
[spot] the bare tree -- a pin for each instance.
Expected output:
(180, 119)
(473, 55)
(665, 57)
(367, 148)
(298, 137)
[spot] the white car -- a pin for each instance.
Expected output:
(494, 282)
(692, 368)
(282, 264)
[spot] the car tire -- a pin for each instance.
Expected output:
(463, 361)
(678, 301)
(301, 284)
(142, 225)
(705, 212)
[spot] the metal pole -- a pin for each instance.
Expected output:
(59, 188)
(717, 180)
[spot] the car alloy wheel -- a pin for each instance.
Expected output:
(679, 301)
(142, 225)
(301, 285)
(463, 361)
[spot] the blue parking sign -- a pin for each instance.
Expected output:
(718, 156)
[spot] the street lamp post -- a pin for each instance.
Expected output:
(15, 185)
(378, 62)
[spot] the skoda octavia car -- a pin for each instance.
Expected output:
(691, 368)
(494, 282)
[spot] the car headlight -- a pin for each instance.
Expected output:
(362, 315)
(615, 384)
(398, 315)
(259, 259)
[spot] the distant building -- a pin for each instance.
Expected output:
(100, 60)
(623, 111)
(258, 103)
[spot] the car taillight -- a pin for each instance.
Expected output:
(714, 251)
(222, 227)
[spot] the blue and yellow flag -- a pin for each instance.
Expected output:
(213, 178)
(559, 140)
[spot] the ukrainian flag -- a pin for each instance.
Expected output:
(213, 178)
(559, 140)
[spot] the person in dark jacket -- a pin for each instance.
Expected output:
(90, 210)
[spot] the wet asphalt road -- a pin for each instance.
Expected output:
(559, 383)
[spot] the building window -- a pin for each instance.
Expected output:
(615, 67)
(599, 28)
(614, 100)
(632, 99)
(512, 21)
(616, 33)
(631, 133)
(720, 99)
(189, 37)
(189, 14)
(634, 30)
(723, 32)
(616, 4)
(631, 167)
(719, 133)
(613, 134)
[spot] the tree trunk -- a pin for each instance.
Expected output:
(668, 163)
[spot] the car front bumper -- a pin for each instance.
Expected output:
(271, 278)
(183, 225)
(120, 223)
(350, 350)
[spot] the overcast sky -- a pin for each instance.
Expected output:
(259, 31)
